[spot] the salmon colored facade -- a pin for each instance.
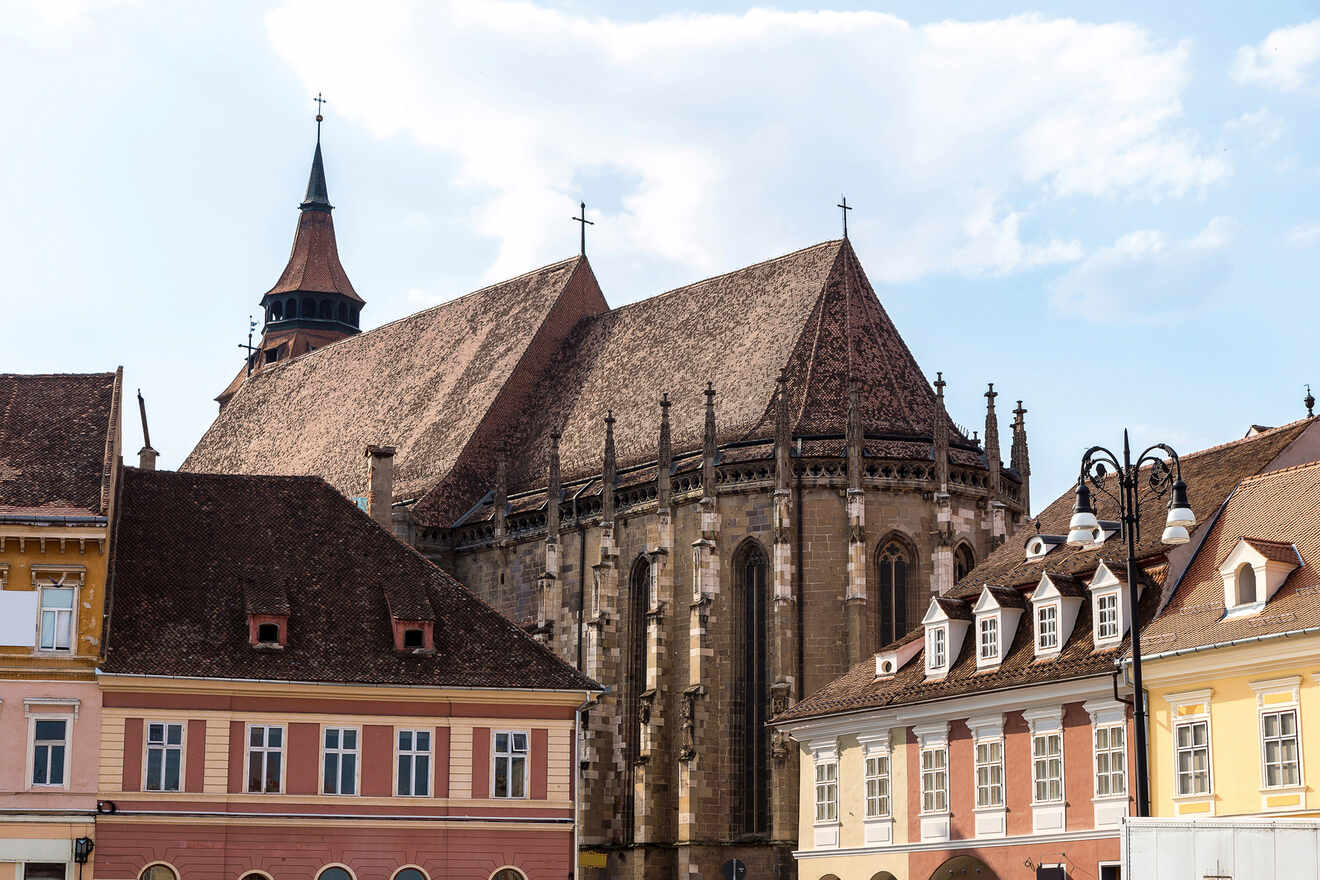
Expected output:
(450, 821)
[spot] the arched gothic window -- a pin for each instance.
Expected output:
(895, 565)
(752, 689)
(963, 562)
(639, 602)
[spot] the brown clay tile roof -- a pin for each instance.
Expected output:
(1280, 510)
(314, 261)
(1008, 598)
(1066, 584)
(1210, 475)
(954, 608)
(59, 441)
(425, 384)
(209, 537)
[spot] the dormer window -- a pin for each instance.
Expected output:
(1111, 608)
(1039, 545)
(1106, 618)
(1047, 628)
(414, 636)
(987, 639)
(937, 648)
(1253, 572)
(1054, 607)
(997, 613)
(946, 623)
(268, 633)
(412, 639)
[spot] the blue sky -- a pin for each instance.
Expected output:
(1110, 212)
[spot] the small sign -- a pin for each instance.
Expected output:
(734, 869)
(589, 858)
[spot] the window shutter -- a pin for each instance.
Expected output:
(540, 763)
(481, 762)
(132, 754)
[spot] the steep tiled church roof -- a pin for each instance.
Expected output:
(58, 442)
(423, 384)
(230, 545)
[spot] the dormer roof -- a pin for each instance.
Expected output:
(999, 597)
(1053, 582)
(1275, 551)
(944, 608)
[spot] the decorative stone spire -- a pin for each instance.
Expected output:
(708, 445)
(854, 438)
(501, 501)
(608, 472)
(664, 457)
(992, 440)
(783, 435)
(1020, 460)
(553, 491)
(941, 435)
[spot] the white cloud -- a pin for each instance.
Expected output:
(1286, 59)
(1143, 277)
(948, 137)
(54, 24)
(1260, 128)
(1305, 235)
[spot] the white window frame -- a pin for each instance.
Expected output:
(63, 784)
(877, 827)
(1039, 757)
(1048, 815)
(932, 738)
(1186, 710)
(1108, 809)
(988, 625)
(413, 754)
(1265, 741)
(71, 611)
(165, 747)
(876, 774)
(990, 818)
(1041, 632)
(510, 754)
(826, 791)
(824, 753)
(937, 648)
(339, 752)
(1178, 750)
(1109, 751)
(989, 765)
(1108, 627)
(1278, 696)
(936, 771)
(264, 750)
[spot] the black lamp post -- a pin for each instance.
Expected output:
(1084, 530)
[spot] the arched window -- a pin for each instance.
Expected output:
(508, 874)
(963, 562)
(291, 309)
(751, 690)
(255, 875)
(308, 307)
(158, 872)
(326, 310)
(639, 602)
(334, 872)
(343, 313)
(895, 565)
(1246, 584)
(409, 873)
(355, 317)
(277, 310)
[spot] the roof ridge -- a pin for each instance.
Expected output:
(728, 274)
(109, 373)
(1271, 432)
(1256, 478)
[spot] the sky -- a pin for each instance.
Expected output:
(1110, 211)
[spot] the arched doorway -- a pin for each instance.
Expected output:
(752, 687)
(639, 602)
(964, 868)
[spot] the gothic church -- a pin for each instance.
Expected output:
(713, 501)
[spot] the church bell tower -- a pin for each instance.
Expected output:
(313, 303)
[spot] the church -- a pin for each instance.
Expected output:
(713, 501)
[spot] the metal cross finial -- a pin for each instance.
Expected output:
(1310, 403)
(319, 101)
(843, 203)
(252, 325)
(582, 247)
(939, 384)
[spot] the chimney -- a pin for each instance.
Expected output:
(380, 484)
(146, 455)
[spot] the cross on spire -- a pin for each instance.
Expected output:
(939, 384)
(843, 203)
(585, 223)
(252, 325)
(319, 102)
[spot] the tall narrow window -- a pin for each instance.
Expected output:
(893, 564)
(989, 638)
(827, 791)
(340, 760)
(265, 758)
(1110, 761)
(877, 786)
(1047, 628)
(1246, 584)
(1192, 754)
(414, 776)
(1106, 616)
(50, 743)
(56, 618)
(1047, 767)
(935, 780)
(164, 756)
(752, 743)
(963, 562)
(990, 773)
(510, 764)
(1279, 736)
(937, 638)
(639, 602)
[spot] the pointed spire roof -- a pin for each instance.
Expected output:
(318, 197)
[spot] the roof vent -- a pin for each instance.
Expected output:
(1039, 545)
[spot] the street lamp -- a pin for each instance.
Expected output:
(1084, 530)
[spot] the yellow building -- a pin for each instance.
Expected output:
(59, 466)
(1232, 660)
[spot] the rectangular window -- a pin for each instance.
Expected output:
(1110, 761)
(990, 773)
(414, 771)
(935, 780)
(1106, 616)
(877, 786)
(164, 756)
(989, 641)
(50, 742)
(1047, 628)
(1279, 737)
(1192, 754)
(1047, 767)
(827, 791)
(935, 641)
(265, 758)
(56, 624)
(510, 764)
(339, 760)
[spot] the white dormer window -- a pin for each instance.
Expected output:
(937, 649)
(1106, 618)
(988, 639)
(1054, 605)
(1110, 607)
(946, 623)
(997, 613)
(1253, 571)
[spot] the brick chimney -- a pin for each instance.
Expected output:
(380, 484)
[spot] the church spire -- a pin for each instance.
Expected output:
(608, 472)
(992, 459)
(664, 456)
(1020, 458)
(318, 197)
(941, 450)
(708, 447)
